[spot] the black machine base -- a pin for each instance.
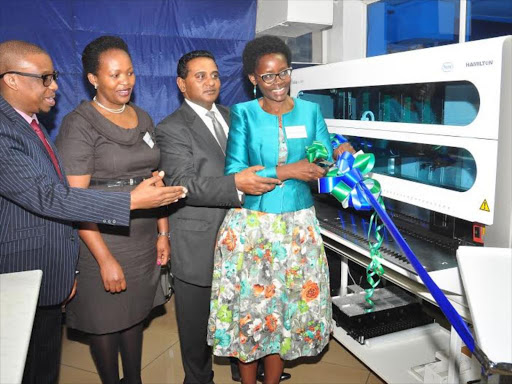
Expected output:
(394, 311)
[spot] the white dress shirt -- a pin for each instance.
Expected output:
(201, 111)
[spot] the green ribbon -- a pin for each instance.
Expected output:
(375, 268)
(316, 152)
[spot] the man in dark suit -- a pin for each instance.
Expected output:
(192, 142)
(37, 206)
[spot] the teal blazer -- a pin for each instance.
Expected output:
(254, 140)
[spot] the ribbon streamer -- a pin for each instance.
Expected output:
(375, 267)
(451, 314)
(341, 181)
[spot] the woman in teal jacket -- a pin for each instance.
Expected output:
(270, 290)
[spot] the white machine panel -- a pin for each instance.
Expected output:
(440, 113)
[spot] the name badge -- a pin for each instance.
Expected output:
(296, 132)
(149, 141)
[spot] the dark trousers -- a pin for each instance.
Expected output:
(192, 311)
(43, 357)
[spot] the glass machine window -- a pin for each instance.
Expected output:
(446, 167)
(488, 19)
(442, 103)
(403, 25)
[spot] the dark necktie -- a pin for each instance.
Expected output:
(219, 131)
(40, 134)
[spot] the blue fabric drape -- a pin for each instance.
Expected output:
(158, 33)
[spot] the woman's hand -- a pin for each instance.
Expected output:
(113, 276)
(163, 250)
(343, 148)
(301, 170)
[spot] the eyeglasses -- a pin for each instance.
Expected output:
(269, 78)
(47, 79)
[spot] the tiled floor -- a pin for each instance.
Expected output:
(161, 360)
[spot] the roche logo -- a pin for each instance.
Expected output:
(482, 63)
(447, 67)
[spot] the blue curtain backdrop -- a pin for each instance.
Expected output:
(158, 33)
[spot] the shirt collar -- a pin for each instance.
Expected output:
(201, 111)
(27, 117)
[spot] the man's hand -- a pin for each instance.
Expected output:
(343, 148)
(250, 183)
(149, 195)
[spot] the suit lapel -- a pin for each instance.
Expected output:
(28, 133)
(200, 129)
(24, 128)
(224, 111)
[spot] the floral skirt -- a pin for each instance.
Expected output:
(270, 289)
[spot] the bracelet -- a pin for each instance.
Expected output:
(166, 234)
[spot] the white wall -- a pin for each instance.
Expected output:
(346, 40)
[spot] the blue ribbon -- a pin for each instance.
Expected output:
(363, 197)
(327, 184)
(451, 314)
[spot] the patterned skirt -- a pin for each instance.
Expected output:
(270, 289)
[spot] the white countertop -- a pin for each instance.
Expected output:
(19, 293)
(487, 276)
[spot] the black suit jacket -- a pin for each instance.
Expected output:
(191, 157)
(37, 209)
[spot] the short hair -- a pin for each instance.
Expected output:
(255, 49)
(14, 51)
(93, 50)
(182, 69)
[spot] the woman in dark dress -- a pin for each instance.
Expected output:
(108, 143)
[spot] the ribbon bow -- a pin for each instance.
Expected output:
(350, 171)
(316, 152)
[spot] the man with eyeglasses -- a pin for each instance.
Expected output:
(37, 206)
(47, 79)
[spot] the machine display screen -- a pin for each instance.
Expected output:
(442, 103)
